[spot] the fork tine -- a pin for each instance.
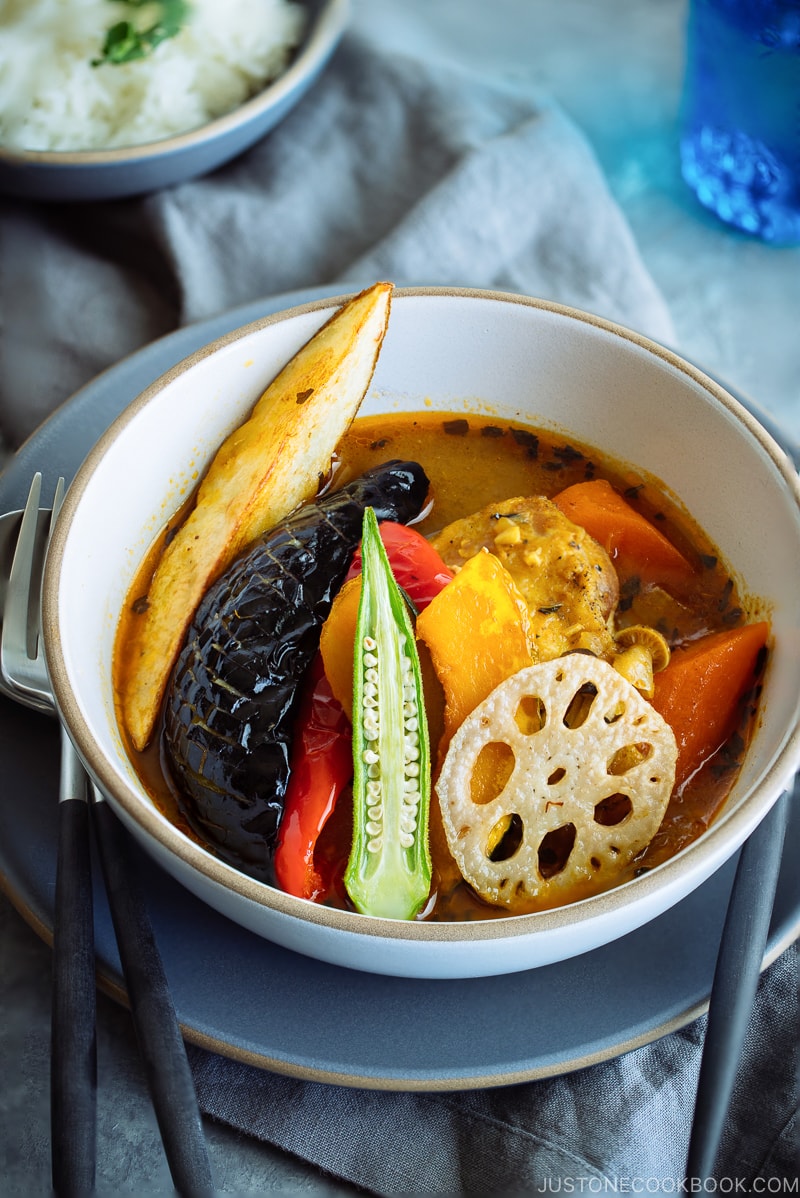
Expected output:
(21, 655)
(17, 631)
(58, 499)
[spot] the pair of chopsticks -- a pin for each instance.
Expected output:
(738, 967)
(158, 1034)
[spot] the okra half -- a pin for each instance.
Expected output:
(389, 870)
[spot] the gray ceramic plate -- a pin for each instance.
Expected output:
(110, 174)
(287, 1013)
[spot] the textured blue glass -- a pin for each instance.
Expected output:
(740, 121)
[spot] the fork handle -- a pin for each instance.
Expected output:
(161, 1045)
(73, 1078)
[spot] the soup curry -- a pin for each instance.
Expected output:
(577, 560)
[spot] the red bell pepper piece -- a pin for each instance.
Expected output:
(321, 757)
(321, 767)
(416, 565)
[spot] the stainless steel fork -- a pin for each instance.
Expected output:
(73, 1080)
(73, 1099)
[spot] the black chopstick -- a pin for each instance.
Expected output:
(736, 975)
(73, 1036)
(161, 1045)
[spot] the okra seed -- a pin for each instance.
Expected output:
(370, 643)
(370, 757)
(375, 813)
(370, 689)
(370, 660)
(406, 840)
(411, 769)
(374, 845)
(373, 829)
(371, 676)
(373, 770)
(373, 788)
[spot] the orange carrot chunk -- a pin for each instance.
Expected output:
(635, 546)
(699, 692)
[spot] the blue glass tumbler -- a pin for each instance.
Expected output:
(740, 118)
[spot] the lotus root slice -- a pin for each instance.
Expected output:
(586, 771)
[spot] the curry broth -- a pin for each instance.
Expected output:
(473, 462)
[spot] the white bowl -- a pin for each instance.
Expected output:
(112, 174)
(520, 360)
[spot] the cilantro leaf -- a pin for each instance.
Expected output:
(124, 42)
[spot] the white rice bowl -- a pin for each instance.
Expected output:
(53, 98)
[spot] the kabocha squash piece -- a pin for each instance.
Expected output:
(477, 633)
(337, 642)
(265, 469)
(633, 543)
(700, 691)
(583, 795)
(389, 871)
(231, 699)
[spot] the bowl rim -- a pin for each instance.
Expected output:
(322, 34)
(709, 851)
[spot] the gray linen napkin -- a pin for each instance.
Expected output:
(616, 1127)
(393, 168)
(388, 169)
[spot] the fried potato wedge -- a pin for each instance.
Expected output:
(268, 466)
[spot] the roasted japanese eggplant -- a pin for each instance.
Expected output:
(231, 697)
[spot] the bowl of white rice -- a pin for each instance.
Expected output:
(109, 98)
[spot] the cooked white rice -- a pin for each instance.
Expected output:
(52, 98)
